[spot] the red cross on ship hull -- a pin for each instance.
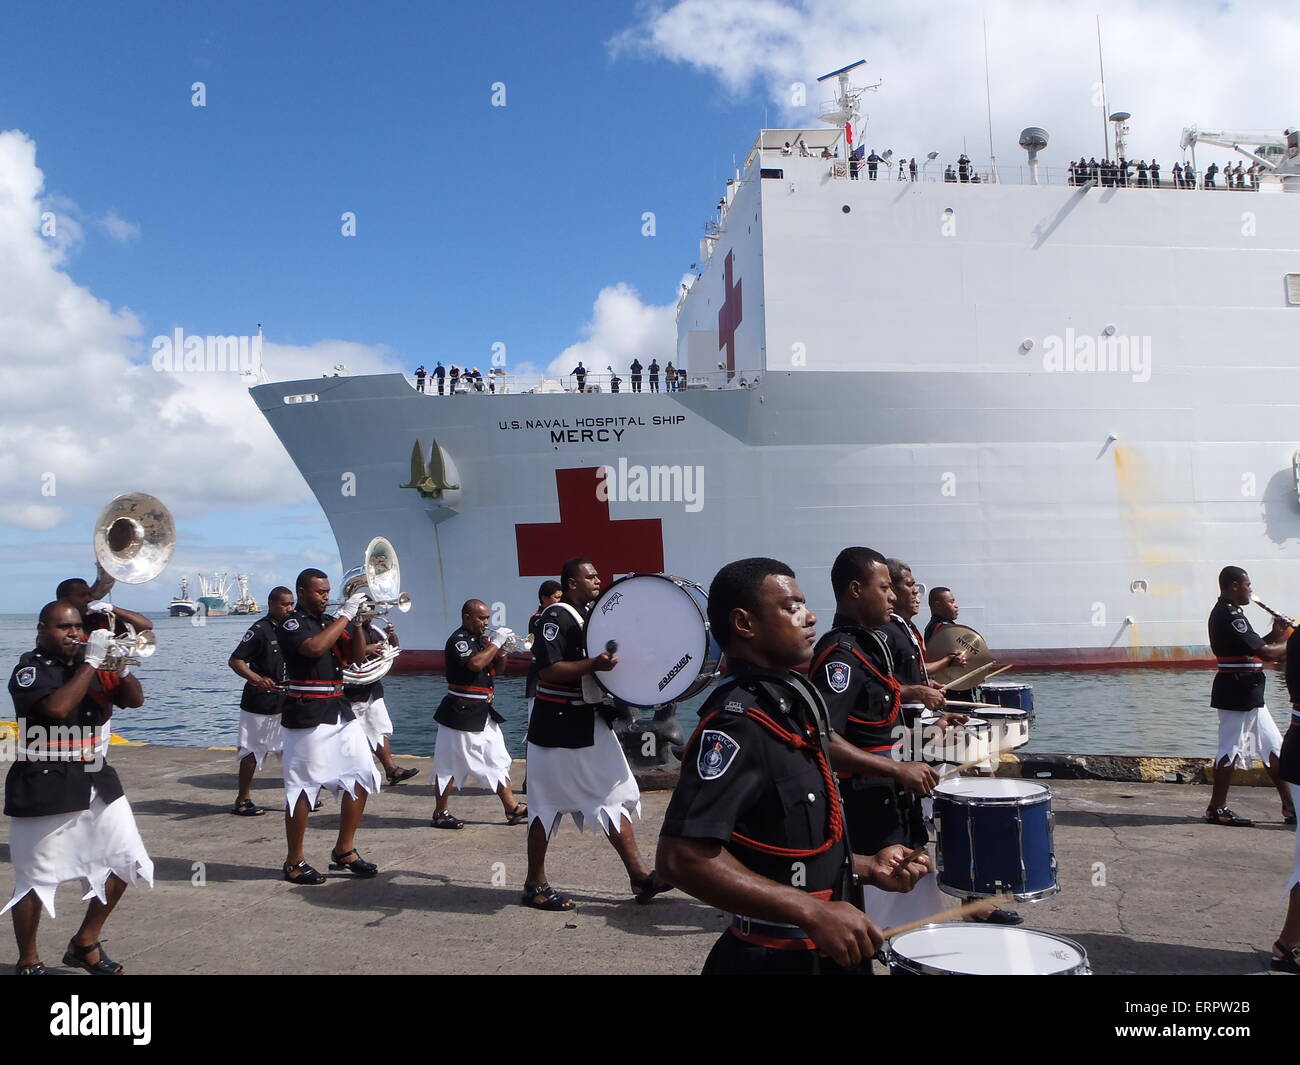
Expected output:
(729, 315)
(585, 530)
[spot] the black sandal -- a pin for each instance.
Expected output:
(32, 970)
(518, 815)
(554, 900)
(76, 957)
(445, 820)
(400, 775)
(306, 874)
(247, 808)
(646, 889)
(1290, 960)
(1288, 815)
(1224, 816)
(358, 866)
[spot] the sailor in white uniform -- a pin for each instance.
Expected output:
(71, 820)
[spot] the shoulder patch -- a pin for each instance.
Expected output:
(717, 752)
(248, 636)
(549, 631)
(26, 677)
(462, 646)
(837, 676)
(1240, 624)
(290, 625)
(734, 707)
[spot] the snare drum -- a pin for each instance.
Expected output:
(984, 950)
(995, 837)
(955, 745)
(665, 650)
(1010, 726)
(1020, 696)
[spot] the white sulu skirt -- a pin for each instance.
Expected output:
(471, 756)
(1295, 873)
(335, 757)
(373, 717)
(260, 735)
(85, 845)
(592, 783)
(1245, 735)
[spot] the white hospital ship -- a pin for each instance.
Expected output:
(1072, 403)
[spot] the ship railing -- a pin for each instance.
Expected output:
(595, 383)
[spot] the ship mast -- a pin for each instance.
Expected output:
(844, 111)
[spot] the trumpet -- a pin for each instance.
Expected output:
(1291, 622)
(127, 650)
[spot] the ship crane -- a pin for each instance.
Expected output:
(1277, 152)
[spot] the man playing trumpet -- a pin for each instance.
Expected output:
(71, 820)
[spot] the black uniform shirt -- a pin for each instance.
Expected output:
(261, 651)
(535, 628)
(742, 784)
(468, 702)
(560, 716)
(853, 670)
(359, 693)
(1239, 682)
(904, 648)
(313, 710)
(933, 626)
(39, 788)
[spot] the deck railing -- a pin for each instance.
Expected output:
(595, 383)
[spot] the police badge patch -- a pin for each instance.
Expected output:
(837, 676)
(26, 676)
(248, 635)
(717, 752)
(462, 647)
(1240, 624)
(291, 625)
(549, 631)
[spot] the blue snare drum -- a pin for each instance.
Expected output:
(1018, 696)
(995, 837)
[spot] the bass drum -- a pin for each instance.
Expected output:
(666, 652)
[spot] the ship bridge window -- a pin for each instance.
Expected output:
(302, 397)
(1293, 290)
(768, 172)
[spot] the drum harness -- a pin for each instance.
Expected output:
(805, 696)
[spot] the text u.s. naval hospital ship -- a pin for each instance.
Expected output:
(1071, 402)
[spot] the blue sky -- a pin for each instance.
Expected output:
(475, 224)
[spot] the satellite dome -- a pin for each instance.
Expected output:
(1034, 137)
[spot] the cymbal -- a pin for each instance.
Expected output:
(955, 637)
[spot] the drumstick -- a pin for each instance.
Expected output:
(987, 706)
(967, 676)
(994, 752)
(1009, 665)
(945, 915)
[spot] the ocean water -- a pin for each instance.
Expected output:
(192, 699)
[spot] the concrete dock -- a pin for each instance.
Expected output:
(1146, 887)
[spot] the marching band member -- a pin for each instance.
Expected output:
(755, 826)
(71, 819)
(324, 746)
(905, 639)
(258, 660)
(1286, 949)
(370, 709)
(547, 593)
(470, 745)
(93, 607)
(943, 611)
(1246, 731)
(575, 763)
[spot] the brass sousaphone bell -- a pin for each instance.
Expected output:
(133, 541)
(380, 577)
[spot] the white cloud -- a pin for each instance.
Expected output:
(119, 228)
(1172, 63)
(621, 328)
(83, 402)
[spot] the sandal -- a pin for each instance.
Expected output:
(400, 775)
(445, 820)
(554, 900)
(31, 970)
(247, 808)
(358, 866)
(1288, 815)
(1224, 816)
(76, 957)
(306, 874)
(647, 888)
(518, 815)
(1289, 962)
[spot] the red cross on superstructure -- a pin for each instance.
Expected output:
(729, 315)
(585, 529)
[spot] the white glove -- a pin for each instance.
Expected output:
(350, 608)
(125, 671)
(498, 637)
(99, 606)
(97, 647)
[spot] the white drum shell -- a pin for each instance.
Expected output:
(957, 745)
(1010, 727)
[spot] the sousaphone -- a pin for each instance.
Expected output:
(134, 539)
(380, 577)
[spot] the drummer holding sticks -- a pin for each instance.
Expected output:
(755, 826)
